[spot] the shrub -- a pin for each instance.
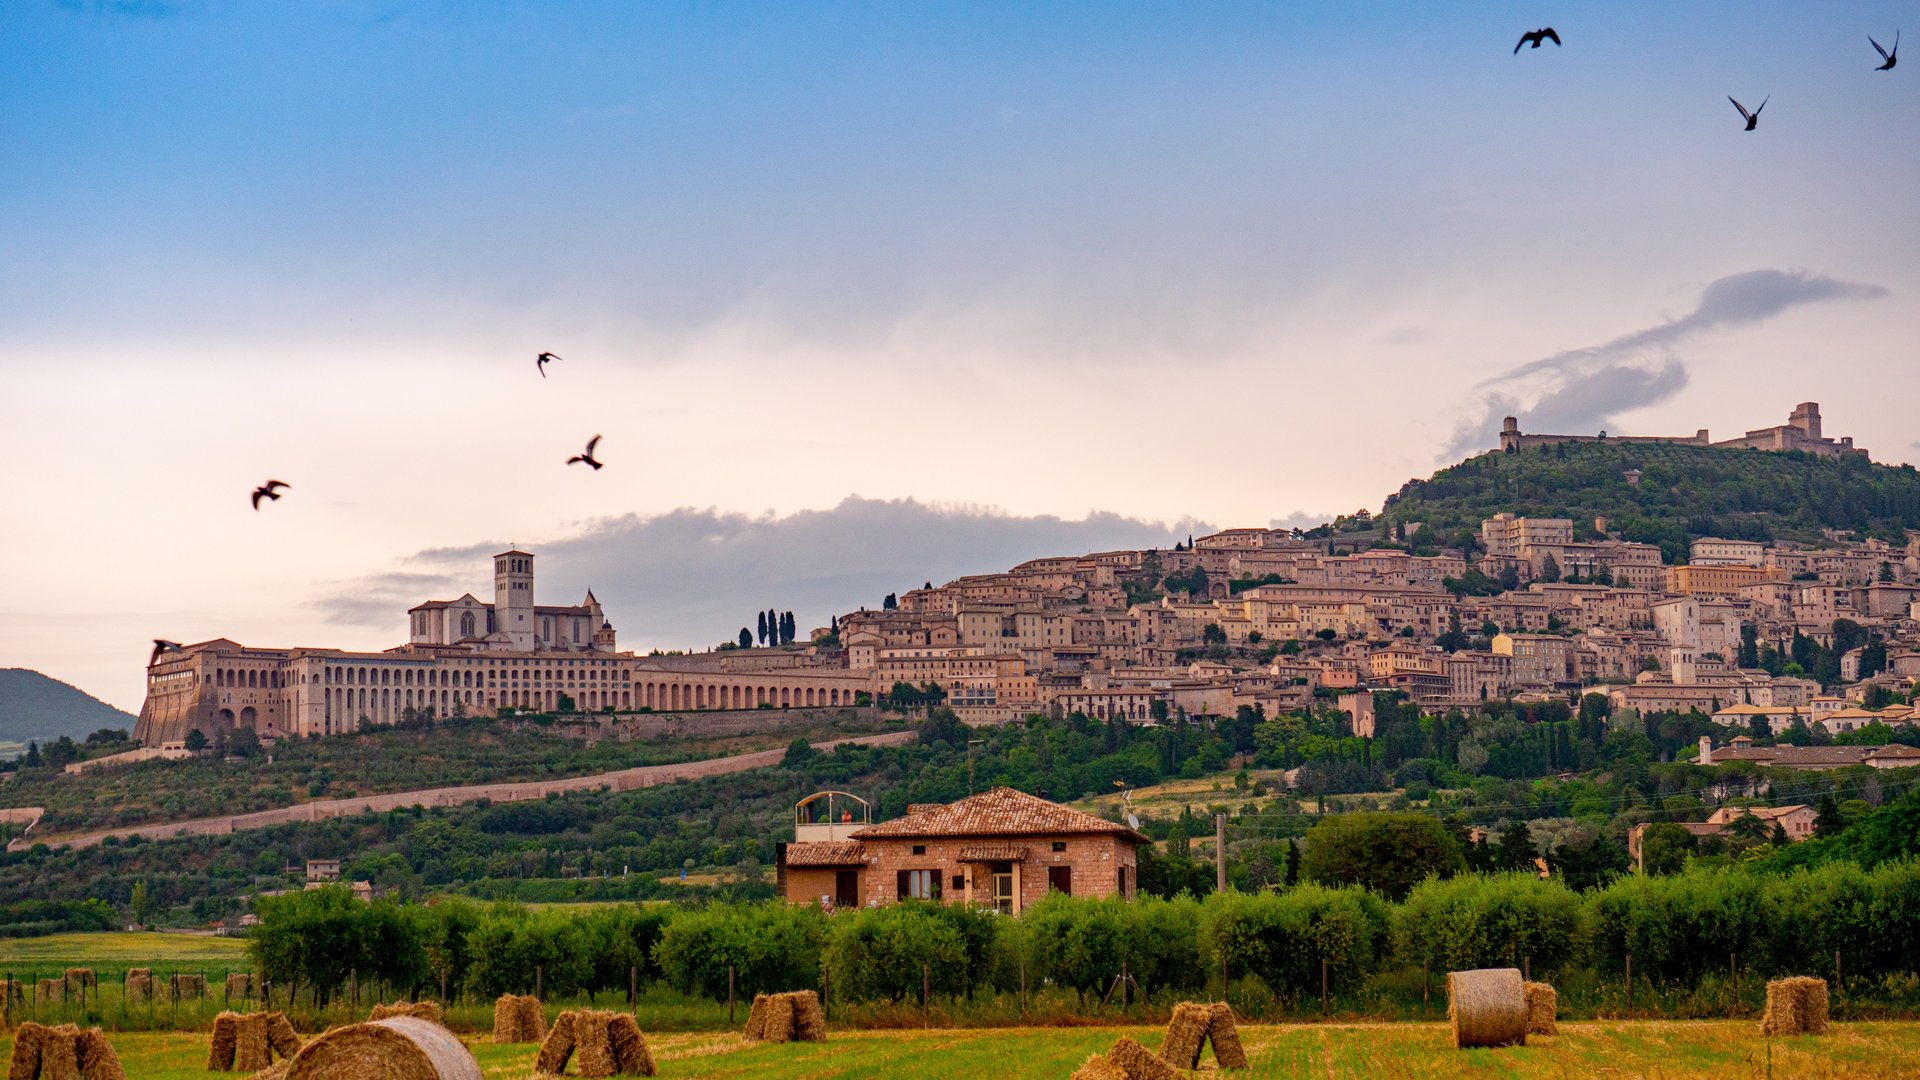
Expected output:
(772, 947)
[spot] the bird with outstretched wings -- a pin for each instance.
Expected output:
(1536, 38)
(268, 491)
(541, 362)
(1753, 118)
(161, 647)
(587, 458)
(1891, 58)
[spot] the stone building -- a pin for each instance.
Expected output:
(1002, 849)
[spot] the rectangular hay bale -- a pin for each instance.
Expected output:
(281, 1038)
(1099, 1068)
(809, 1019)
(779, 1026)
(1543, 1009)
(1139, 1063)
(1796, 1005)
(1186, 1035)
(97, 1059)
(631, 1054)
(1224, 1033)
(557, 1047)
(757, 1018)
(220, 1048)
(250, 1050)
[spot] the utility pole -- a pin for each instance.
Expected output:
(1219, 853)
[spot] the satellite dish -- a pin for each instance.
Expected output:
(1133, 822)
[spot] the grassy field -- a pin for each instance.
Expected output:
(107, 952)
(1671, 1051)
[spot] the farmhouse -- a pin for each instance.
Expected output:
(1001, 848)
(1891, 756)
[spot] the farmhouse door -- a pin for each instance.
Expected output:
(846, 888)
(1060, 879)
(1002, 877)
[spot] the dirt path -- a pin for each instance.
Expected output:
(621, 780)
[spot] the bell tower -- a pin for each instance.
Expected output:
(513, 598)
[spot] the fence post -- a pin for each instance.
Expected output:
(353, 987)
(6, 999)
(1023, 985)
(1223, 977)
(1526, 969)
(1426, 986)
(1323, 985)
(633, 987)
(729, 994)
(1629, 980)
(1219, 853)
(926, 985)
(540, 981)
(1836, 972)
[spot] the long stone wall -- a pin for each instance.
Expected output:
(323, 809)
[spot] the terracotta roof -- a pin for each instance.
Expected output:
(1895, 750)
(1796, 755)
(993, 853)
(826, 853)
(999, 812)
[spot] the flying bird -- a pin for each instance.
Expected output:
(266, 491)
(1753, 118)
(1891, 58)
(160, 647)
(1545, 33)
(587, 458)
(541, 362)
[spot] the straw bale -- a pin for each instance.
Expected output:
(139, 985)
(60, 1053)
(757, 1018)
(631, 1054)
(13, 990)
(25, 1064)
(1543, 1008)
(250, 1050)
(393, 1048)
(276, 1071)
(281, 1038)
(50, 990)
(81, 978)
(239, 985)
(779, 1027)
(1139, 1063)
(220, 1048)
(1099, 1068)
(809, 1019)
(97, 1059)
(419, 1010)
(1225, 1035)
(593, 1047)
(188, 987)
(1795, 1006)
(1488, 1007)
(518, 1018)
(557, 1047)
(1186, 1034)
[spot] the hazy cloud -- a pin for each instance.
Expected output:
(1580, 391)
(1300, 519)
(693, 577)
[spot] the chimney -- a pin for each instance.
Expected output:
(1706, 749)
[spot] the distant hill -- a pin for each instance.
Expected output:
(1684, 492)
(36, 707)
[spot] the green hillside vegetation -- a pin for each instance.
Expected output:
(1684, 492)
(426, 754)
(37, 707)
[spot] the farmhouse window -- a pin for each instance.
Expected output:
(1060, 879)
(1059, 845)
(918, 884)
(919, 849)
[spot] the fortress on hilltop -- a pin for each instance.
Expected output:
(1800, 432)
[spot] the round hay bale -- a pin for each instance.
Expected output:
(1543, 1008)
(394, 1048)
(1487, 1007)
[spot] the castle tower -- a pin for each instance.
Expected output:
(1510, 435)
(513, 598)
(1806, 417)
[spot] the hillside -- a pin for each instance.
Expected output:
(1684, 492)
(34, 706)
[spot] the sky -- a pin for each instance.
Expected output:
(862, 295)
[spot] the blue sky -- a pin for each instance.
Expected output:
(1146, 260)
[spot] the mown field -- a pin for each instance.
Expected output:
(1671, 1051)
(110, 951)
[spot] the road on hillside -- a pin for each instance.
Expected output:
(321, 809)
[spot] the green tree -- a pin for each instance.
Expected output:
(763, 628)
(140, 903)
(195, 741)
(1664, 847)
(1549, 569)
(1386, 852)
(746, 638)
(1516, 850)
(1827, 821)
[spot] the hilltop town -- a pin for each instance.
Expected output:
(1524, 608)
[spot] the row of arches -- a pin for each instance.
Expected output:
(249, 679)
(670, 696)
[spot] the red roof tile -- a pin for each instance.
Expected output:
(999, 812)
(826, 853)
